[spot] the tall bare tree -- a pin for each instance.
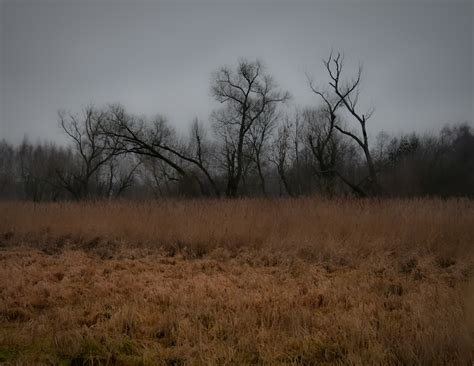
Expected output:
(345, 94)
(247, 91)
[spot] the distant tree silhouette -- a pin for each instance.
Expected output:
(346, 94)
(247, 92)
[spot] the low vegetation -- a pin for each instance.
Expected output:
(231, 282)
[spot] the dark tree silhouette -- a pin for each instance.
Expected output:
(247, 91)
(92, 147)
(346, 93)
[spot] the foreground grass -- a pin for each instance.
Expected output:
(238, 282)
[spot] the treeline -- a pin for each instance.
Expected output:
(251, 147)
(409, 165)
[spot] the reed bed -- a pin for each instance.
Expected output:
(251, 281)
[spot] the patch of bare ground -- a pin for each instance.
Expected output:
(298, 282)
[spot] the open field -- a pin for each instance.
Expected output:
(291, 281)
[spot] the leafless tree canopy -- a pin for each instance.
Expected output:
(345, 93)
(93, 149)
(248, 93)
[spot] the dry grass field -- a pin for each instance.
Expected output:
(273, 282)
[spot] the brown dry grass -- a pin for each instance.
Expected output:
(294, 281)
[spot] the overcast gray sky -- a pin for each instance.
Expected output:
(157, 57)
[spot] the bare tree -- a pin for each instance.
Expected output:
(346, 93)
(138, 135)
(225, 122)
(323, 144)
(93, 149)
(281, 156)
(331, 152)
(199, 153)
(297, 139)
(247, 91)
(158, 140)
(259, 141)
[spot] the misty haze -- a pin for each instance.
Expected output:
(236, 182)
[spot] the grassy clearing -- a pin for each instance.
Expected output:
(297, 282)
